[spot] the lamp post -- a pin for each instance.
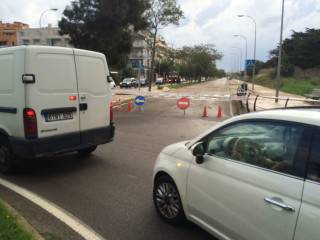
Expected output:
(280, 51)
(240, 58)
(255, 40)
(51, 9)
(245, 70)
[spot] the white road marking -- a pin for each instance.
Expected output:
(76, 224)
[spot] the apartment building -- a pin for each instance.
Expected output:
(42, 36)
(8, 33)
(143, 53)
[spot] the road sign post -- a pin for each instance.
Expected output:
(139, 101)
(183, 103)
(250, 63)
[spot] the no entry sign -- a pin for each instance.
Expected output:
(183, 103)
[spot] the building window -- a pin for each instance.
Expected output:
(36, 41)
(3, 43)
(25, 42)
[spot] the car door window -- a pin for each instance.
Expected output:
(271, 145)
(313, 172)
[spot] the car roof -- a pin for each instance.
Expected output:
(301, 115)
(307, 115)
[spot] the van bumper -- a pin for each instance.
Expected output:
(48, 146)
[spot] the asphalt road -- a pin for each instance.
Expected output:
(111, 190)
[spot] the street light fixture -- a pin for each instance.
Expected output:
(245, 70)
(51, 9)
(255, 38)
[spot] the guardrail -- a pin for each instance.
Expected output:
(247, 94)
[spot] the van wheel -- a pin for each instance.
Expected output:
(6, 157)
(87, 151)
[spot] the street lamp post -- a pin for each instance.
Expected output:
(255, 41)
(279, 57)
(51, 9)
(245, 70)
(240, 58)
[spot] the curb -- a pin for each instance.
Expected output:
(23, 222)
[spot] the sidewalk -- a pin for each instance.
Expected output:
(261, 98)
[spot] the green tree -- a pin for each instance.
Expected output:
(160, 14)
(106, 26)
(301, 49)
(165, 67)
(200, 60)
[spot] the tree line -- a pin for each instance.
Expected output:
(301, 49)
(109, 26)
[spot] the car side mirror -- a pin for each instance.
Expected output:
(198, 151)
(109, 79)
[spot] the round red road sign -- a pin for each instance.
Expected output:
(183, 103)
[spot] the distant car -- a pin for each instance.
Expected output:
(143, 82)
(128, 83)
(159, 81)
(254, 176)
(166, 80)
(112, 84)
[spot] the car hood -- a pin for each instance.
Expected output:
(173, 148)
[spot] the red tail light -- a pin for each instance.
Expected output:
(30, 123)
(111, 111)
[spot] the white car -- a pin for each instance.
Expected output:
(160, 81)
(112, 83)
(255, 176)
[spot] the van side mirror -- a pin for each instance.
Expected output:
(198, 151)
(109, 79)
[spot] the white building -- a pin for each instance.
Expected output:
(42, 36)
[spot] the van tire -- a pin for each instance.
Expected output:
(7, 163)
(87, 151)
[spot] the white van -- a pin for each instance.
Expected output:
(52, 100)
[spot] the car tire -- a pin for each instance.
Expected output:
(7, 159)
(167, 201)
(87, 151)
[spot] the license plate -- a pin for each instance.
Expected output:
(58, 116)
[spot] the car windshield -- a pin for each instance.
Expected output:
(126, 80)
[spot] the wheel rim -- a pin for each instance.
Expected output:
(167, 200)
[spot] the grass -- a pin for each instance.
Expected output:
(298, 86)
(10, 229)
(180, 85)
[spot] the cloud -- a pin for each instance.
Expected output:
(206, 21)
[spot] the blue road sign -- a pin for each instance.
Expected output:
(250, 63)
(139, 101)
(136, 64)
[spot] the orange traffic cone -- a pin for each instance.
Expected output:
(129, 107)
(219, 112)
(119, 105)
(205, 112)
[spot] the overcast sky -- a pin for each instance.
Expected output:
(206, 21)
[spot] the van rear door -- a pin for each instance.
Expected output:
(53, 94)
(94, 96)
